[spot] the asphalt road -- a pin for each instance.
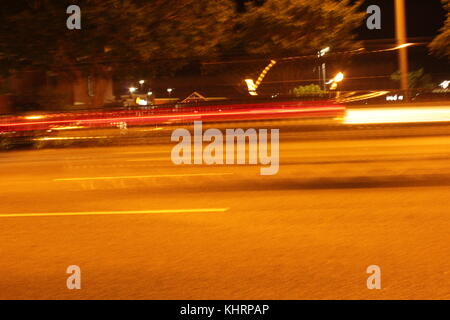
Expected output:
(141, 228)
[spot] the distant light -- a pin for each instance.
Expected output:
(334, 82)
(66, 128)
(264, 73)
(169, 90)
(339, 77)
(394, 98)
(251, 86)
(445, 84)
(142, 82)
(141, 102)
(405, 45)
(34, 117)
(132, 89)
(149, 93)
(324, 51)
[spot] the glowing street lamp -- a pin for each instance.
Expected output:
(323, 52)
(141, 84)
(169, 90)
(339, 77)
(132, 90)
(334, 82)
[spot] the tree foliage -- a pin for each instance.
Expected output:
(307, 90)
(113, 31)
(417, 79)
(292, 27)
(441, 44)
(158, 36)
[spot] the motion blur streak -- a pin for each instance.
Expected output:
(398, 115)
(63, 214)
(69, 138)
(218, 113)
(143, 177)
(364, 96)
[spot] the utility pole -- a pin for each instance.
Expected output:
(400, 23)
(322, 67)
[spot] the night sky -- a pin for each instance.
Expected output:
(425, 18)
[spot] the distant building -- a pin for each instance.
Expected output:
(33, 89)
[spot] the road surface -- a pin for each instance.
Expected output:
(141, 228)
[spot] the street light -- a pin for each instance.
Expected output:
(339, 77)
(322, 68)
(132, 90)
(169, 90)
(324, 51)
(141, 84)
(335, 81)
